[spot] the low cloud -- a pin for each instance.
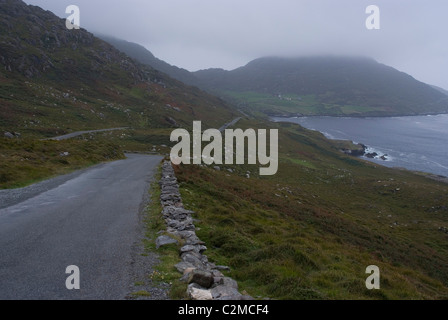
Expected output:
(199, 34)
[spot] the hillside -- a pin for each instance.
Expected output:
(55, 80)
(441, 90)
(325, 86)
(310, 231)
(142, 55)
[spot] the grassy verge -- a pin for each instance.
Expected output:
(26, 161)
(169, 255)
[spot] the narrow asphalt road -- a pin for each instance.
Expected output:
(231, 123)
(93, 221)
(79, 133)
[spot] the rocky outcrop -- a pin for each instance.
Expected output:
(375, 155)
(205, 279)
(36, 43)
(360, 150)
(357, 151)
(443, 229)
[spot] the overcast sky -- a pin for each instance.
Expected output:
(200, 34)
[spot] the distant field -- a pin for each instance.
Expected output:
(292, 104)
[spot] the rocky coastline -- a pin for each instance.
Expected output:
(361, 150)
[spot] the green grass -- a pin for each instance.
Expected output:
(301, 162)
(310, 231)
(25, 161)
(291, 104)
(168, 255)
(141, 293)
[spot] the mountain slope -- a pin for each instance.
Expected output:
(142, 55)
(329, 85)
(441, 90)
(54, 80)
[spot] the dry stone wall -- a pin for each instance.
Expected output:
(205, 279)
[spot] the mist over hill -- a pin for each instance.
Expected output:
(440, 90)
(333, 81)
(332, 85)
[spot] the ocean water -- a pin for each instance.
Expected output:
(416, 142)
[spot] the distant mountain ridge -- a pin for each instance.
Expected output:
(333, 84)
(337, 81)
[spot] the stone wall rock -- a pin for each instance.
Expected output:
(205, 279)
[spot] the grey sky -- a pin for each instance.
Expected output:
(199, 34)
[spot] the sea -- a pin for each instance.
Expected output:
(418, 143)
